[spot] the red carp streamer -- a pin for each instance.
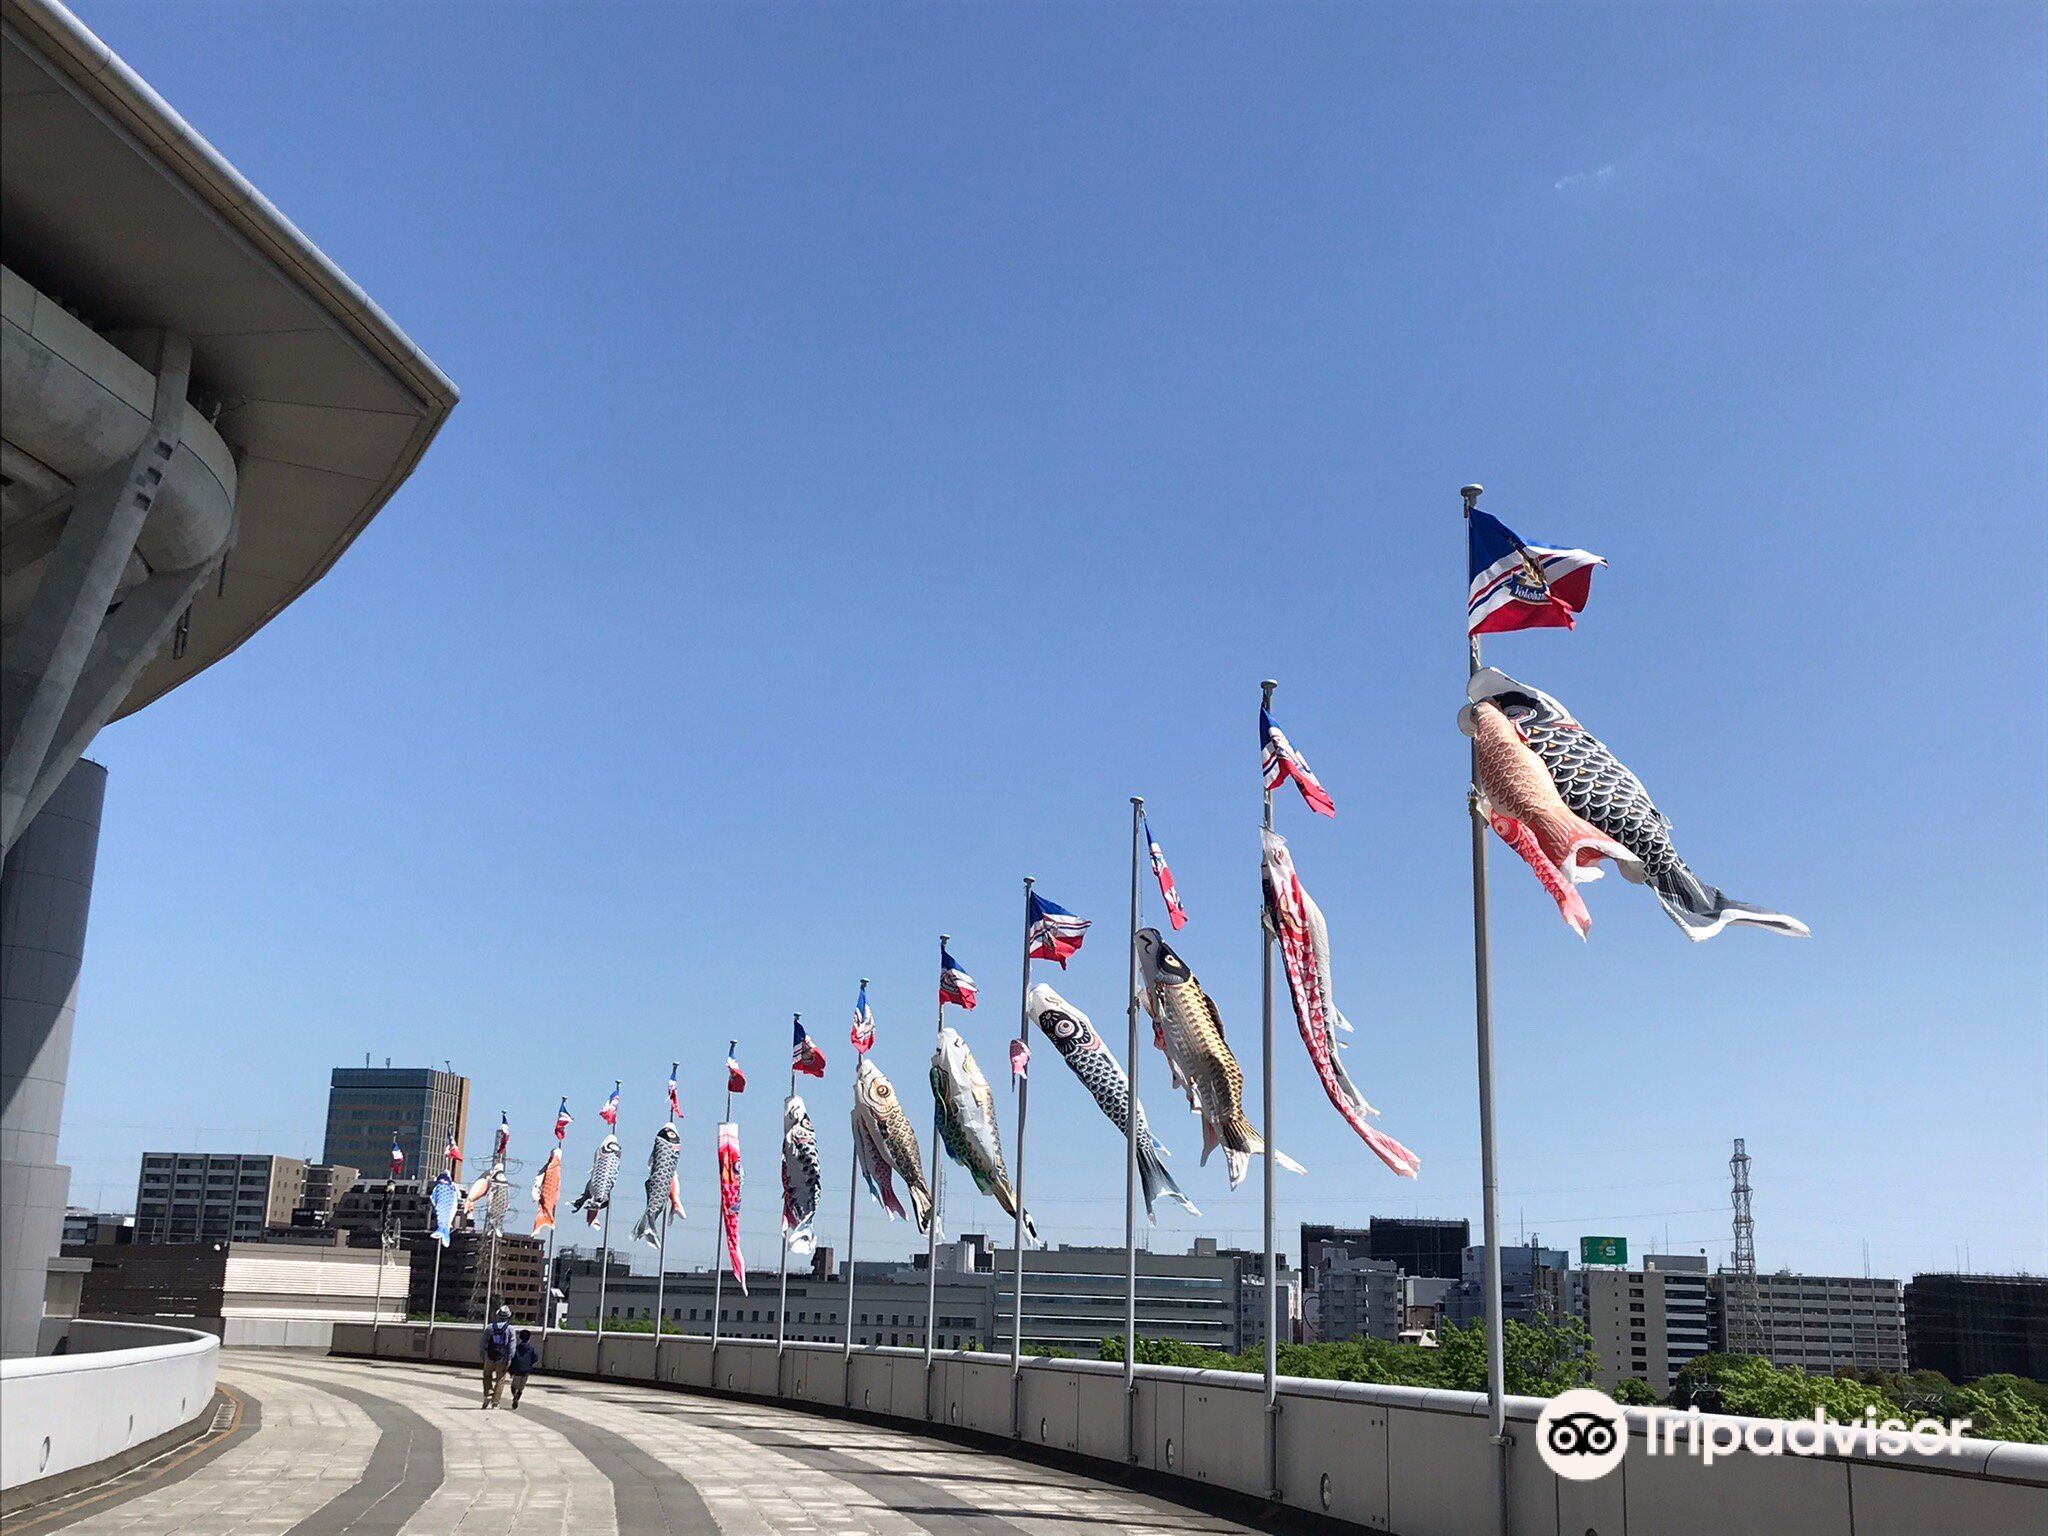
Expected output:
(729, 1198)
(1305, 947)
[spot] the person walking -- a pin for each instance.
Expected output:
(497, 1352)
(525, 1360)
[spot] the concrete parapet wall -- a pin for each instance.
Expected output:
(120, 1386)
(1400, 1459)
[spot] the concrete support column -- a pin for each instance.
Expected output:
(45, 892)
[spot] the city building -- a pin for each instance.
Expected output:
(251, 1294)
(82, 1228)
(1074, 1297)
(383, 1207)
(1536, 1284)
(888, 1308)
(182, 373)
(1359, 1298)
(1420, 1246)
(1422, 1303)
(190, 1197)
(1820, 1323)
(476, 1276)
(1966, 1326)
(367, 1107)
(326, 1184)
(1251, 1310)
(1647, 1323)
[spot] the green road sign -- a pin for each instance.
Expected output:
(1603, 1250)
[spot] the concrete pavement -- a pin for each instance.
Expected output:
(355, 1448)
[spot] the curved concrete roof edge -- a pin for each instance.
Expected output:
(67, 41)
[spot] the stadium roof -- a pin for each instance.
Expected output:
(117, 208)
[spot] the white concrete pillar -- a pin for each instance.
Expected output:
(45, 892)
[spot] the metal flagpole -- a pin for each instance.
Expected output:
(490, 1272)
(852, 1214)
(383, 1242)
(604, 1260)
(1489, 1175)
(931, 1233)
(1267, 1162)
(661, 1254)
(434, 1299)
(434, 1295)
(1131, 1161)
(660, 1284)
(1023, 1105)
(782, 1301)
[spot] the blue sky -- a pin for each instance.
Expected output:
(892, 436)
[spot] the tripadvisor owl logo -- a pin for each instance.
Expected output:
(1581, 1434)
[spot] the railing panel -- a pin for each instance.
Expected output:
(1333, 1459)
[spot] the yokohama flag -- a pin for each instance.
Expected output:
(804, 1055)
(863, 1032)
(610, 1113)
(1052, 932)
(955, 985)
(1522, 586)
(1175, 912)
(1280, 762)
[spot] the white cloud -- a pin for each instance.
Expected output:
(1593, 178)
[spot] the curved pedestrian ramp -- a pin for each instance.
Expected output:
(339, 1447)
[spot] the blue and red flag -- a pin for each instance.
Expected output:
(735, 1079)
(452, 1152)
(955, 985)
(503, 1138)
(1052, 931)
(804, 1055)
(675, 1101)
(1522, 586)
(1279, 762)
(1175, 912)
(863, 1032)
(563, 1119)
(397, 1158)
(610, 1113)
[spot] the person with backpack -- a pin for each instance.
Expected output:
(525, 1360)
(497, 1351)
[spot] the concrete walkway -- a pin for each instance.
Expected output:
(354, 1448)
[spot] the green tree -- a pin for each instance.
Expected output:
(1631, 1391)
(1998, 1409)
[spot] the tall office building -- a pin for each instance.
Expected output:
(1966, 1326)
(421, 1105)
(1821, 1322)
(1647, 1323)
